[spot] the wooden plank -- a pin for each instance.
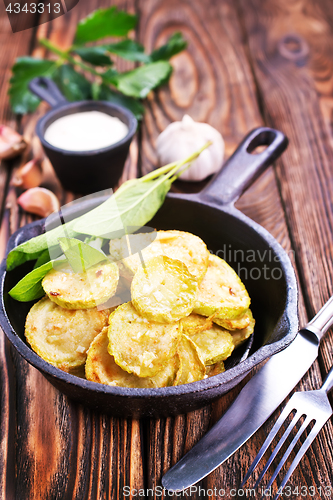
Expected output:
(12, 46)
(105, 454)
(168, 439)
(212, 81)
(296, 95)
(70, 452)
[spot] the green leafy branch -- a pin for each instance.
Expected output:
(70, 68)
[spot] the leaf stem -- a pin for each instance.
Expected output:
(86, 67)
(172, 168)
(179, 173)
(69, 58)
(187, 161)
(159, 171)
(50, 46)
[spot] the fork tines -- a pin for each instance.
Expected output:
(294, 405)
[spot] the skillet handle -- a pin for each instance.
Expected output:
(47, 90)
(243, 168)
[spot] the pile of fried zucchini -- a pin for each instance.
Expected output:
(160, 311)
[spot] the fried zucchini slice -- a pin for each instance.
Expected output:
(168, 375)
(235, 324)
(137, 248)
(216, 369)
(239, 336)
(215, 344)
(62, 336)
(195, 323)
(221, 292)
(102, 368)
(140, 346)
(164, 290)
(81, 290)
(192, 365)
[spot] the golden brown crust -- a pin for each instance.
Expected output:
(140, 346)
(102, 368)
(214, 345)
(81, 290)
(164, 290)
(62, 336)
(192, 365)
(179, 245)
(221, 292)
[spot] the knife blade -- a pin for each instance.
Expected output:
(253, 406)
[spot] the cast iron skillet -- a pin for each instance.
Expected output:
(262, 263)
(83, 171)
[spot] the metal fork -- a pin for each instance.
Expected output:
(315, 407)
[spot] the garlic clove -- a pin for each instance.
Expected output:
(180, 139)
(29, 175)
(11, 143)
(39, 201)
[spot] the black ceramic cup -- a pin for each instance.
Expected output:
(83, 172)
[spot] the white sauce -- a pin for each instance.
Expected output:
(85, 131)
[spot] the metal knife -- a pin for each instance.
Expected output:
(255, 403)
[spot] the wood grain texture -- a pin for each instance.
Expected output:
(55, 449)
(12, 46)
(212, 81)
(296, 94)
(292, 99)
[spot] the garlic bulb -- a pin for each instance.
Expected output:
(180, 139)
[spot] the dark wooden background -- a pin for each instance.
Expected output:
(235, 76)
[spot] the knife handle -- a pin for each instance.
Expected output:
(322, 321)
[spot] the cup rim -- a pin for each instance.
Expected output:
(96, 105)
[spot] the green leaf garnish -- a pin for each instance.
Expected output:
(70, 69)
(24, 70)
(174, 45)
(30, 287)
(140, 81)
(130, 50)
(98, 56)
(137, 204)
(73, 85)
(80, 255)
(42, 259)
(134, 204)
(32, 249)
(103, 23)
(106, 94)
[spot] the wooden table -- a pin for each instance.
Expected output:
(236, 74)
